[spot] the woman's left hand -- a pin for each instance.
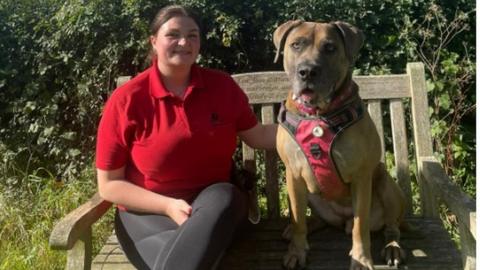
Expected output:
(178, 210)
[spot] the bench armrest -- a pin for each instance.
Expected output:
(70, 228)
(456, 200)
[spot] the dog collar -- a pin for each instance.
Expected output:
(337, 120)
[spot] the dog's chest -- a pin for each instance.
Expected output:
(315, 138)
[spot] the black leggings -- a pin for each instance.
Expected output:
(156, 242)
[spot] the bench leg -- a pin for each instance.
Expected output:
(80, 256)
(468, 246)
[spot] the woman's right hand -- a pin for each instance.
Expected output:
(178, 210)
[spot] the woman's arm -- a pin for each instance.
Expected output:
(260, 136)
(113, 187)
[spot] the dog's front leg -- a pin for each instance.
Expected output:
(393, 201)
(297, 249)
(361, 189)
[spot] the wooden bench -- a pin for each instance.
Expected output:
(261, 246)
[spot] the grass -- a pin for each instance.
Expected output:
(28, 213)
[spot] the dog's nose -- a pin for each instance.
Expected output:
(308, 71)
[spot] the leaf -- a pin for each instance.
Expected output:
(439, 85)
(430, 86)
(30, 106)
(70, 136)
(74, 152)
(391, 39)
(48, 131)
(450, 67)
(444, 101)
(33, 128)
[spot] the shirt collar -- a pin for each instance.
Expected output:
(158, 90)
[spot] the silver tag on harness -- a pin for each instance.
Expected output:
(317, 131)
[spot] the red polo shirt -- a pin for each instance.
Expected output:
(168, 145)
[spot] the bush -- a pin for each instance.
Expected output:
(58, 62)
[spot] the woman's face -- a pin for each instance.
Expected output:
(177, 42)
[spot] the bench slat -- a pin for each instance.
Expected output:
(421, 131)
(383, 86)
(273, 86)
(271, 172)
(375, 110)
(400, 147)
(248, 157)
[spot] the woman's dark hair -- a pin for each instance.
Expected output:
(168, 12)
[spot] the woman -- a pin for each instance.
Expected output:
(164, 153)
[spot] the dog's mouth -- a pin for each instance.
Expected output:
(306, 97)
(310, 102)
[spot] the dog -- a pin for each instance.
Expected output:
(324, 120)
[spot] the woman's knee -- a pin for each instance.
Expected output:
(224, 197)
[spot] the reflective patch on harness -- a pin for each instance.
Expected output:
(315, 150)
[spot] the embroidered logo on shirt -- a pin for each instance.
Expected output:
(214, 119)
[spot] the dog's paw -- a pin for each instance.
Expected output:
(295, 258)
(393, 254)
(356, 265)
(360, 262)
(288, 232)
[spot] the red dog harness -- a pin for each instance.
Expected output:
(316, 136)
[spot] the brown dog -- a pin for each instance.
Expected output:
(317, 58)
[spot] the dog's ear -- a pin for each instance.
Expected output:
(352, 38)
(280, 35)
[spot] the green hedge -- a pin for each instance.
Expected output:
(59, 59)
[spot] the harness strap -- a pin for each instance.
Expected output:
(336, 121)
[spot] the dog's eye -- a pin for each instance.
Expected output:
(329, 47)
(297, 45)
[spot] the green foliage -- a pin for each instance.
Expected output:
(442, 40)
(58, 74)
(59, 60)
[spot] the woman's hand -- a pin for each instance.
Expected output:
(113, 187)
(178, 210)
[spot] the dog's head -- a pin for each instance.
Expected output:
(317, 58)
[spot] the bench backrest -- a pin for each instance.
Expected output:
(385, 95)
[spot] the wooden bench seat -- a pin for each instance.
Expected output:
(403, 98)
(262, 248)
